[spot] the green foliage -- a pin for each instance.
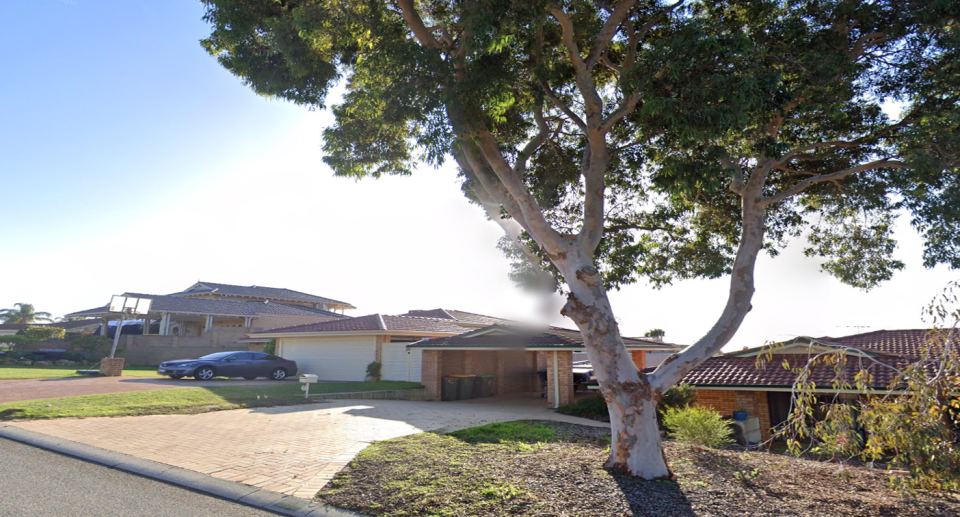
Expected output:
(270, 347)
(97, 346)
(655, 333)
(587, 407)
(16, 340)
(36, 333)
(679, 396)
(912, 424)
(697, 426)
(786, 90)
(23, 313)
(373, 370)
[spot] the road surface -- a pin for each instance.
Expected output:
(37, 482)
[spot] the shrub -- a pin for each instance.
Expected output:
(679, 396)
(17, 340)
(270, 347)
(697, 426)
(37, 333)
(96, 346)
(373, 370)
(590, 407)
(80, 357)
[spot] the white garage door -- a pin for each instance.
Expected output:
(331, 360)
(395, 367)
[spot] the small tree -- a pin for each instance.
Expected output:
(913, 423)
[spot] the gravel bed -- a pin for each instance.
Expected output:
(437, 475)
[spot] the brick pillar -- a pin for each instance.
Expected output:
(565, 380)
(111, 367)
(639, 358)
(763, 412)
(432, 373)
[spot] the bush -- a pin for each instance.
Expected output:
(590, 407)
(697, 426)
(373, 370)
(16, 340)
(95, 346)
(79, 357)
(37, 333)
(679, 396)
(270, 347)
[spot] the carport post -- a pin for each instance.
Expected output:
(556, 382)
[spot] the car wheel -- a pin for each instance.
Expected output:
(176, 376)
(204, 373)
(249, 377)
(278, 375)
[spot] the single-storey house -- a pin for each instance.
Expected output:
(515, 355)
(734, 381)
(340, 350)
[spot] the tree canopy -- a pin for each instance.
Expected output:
(630, 140)
(853, 104)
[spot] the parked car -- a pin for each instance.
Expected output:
(248, 365)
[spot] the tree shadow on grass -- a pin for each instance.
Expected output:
(11, 414)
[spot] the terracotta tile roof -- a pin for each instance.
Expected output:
(257, 291)
(888, 347)
(743, 371)
(373, 323)
(468, 318)
(554, 337)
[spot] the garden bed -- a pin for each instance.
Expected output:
(552, 468)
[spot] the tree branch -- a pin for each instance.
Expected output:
(561, 105)
(609, 29)
(420, 30)
(544, 131)
(833, 176)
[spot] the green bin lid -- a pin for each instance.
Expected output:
(487, 376)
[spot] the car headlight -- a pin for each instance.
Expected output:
(185, 365)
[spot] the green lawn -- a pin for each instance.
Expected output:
(11, 372)
(185, 400)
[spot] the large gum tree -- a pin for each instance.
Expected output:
(621, 141)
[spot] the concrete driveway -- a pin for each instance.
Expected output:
(292, 450)
(32, 389)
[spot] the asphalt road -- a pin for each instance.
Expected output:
(34, 482)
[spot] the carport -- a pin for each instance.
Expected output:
(514, 357)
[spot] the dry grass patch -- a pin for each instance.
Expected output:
(553, 468)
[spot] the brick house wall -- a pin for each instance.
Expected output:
(432, 373)
(515, 371)
(726, 402)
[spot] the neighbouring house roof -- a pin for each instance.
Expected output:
(743, 372)
(76, 324)
(259, 292)
(513, 338)
(213, 307)
(15, 326)
(461, 317)
(894, 343)
(373, 323)
(875, 352)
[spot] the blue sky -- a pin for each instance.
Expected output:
(130, 161)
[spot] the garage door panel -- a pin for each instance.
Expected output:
(340, 360)
(395, 363)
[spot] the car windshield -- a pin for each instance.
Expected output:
(217, 356)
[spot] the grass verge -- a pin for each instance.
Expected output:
(554, 468)
(184, 400)
(18, 372)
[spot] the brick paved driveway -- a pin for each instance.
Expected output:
(293, 450)
(32, 389)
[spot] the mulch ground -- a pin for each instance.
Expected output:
(437, 475)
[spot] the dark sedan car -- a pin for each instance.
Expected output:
(248, 365)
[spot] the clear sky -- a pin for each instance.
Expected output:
(131, 161)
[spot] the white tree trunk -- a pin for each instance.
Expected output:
(635, 446)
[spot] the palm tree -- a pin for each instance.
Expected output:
(24, 313)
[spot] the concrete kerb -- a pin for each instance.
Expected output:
(228, 490)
